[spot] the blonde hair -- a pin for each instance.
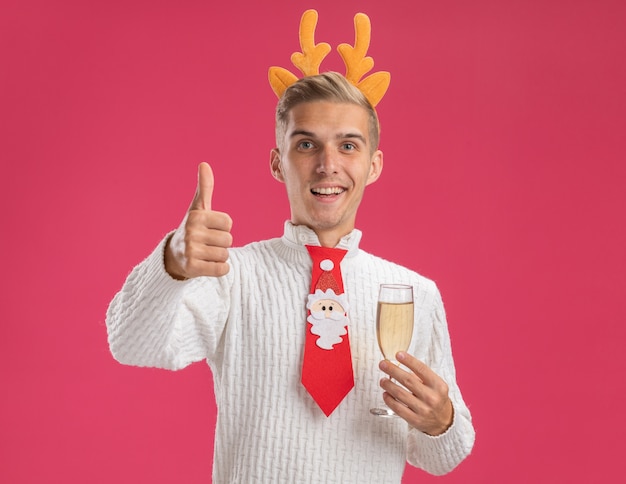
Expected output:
(329, 86)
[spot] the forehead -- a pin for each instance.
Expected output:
(322, 118)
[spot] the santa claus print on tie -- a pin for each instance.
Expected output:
(328, 315)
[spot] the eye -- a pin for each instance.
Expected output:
(305, 145)
(330, 308)
(348, 147)
(323, 308)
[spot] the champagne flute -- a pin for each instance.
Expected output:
(394, 327)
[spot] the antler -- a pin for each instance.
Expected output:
(308, 61)
(357, 64)
(354, 57)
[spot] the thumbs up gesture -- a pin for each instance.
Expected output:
(199, 247)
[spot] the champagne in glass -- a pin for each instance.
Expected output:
(394, 326)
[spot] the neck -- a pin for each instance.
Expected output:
(329, 238)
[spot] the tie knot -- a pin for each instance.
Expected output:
(326, 271)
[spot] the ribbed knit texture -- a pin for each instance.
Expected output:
(249, 325)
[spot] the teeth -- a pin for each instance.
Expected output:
(328, 191)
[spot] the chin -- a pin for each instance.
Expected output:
(326, 224)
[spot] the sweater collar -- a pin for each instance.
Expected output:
(301, 235)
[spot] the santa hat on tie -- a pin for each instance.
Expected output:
(327, 280)
(327, 287)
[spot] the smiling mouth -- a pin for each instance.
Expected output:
(327, 192)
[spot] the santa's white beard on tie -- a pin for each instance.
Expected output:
(329, 329)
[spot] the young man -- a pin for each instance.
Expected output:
(243, 311)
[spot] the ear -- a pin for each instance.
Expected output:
(275, 165)
(376, 167)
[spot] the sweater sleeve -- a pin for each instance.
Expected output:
(440, 454)
(160, 322)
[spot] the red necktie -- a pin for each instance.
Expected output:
(327, 367)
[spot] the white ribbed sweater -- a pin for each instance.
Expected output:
(249, 325)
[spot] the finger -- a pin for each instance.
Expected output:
(422, 370)
(205, 239)
(204, 190)
(400, 409)
(423, 382)
(397, 373)
(398, 392)
(202, 253)
(200, 220)
(418, 398)
(406, 379)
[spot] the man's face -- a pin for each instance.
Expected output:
(326, 161)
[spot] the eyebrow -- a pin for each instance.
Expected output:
(309, 134)
(301, 132)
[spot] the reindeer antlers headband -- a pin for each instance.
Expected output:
(308, 61)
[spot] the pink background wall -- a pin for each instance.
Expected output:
(505, 181)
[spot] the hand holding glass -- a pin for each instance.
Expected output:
(394, 327)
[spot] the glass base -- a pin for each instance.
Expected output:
(382, 412)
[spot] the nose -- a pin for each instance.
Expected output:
(327, 163)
